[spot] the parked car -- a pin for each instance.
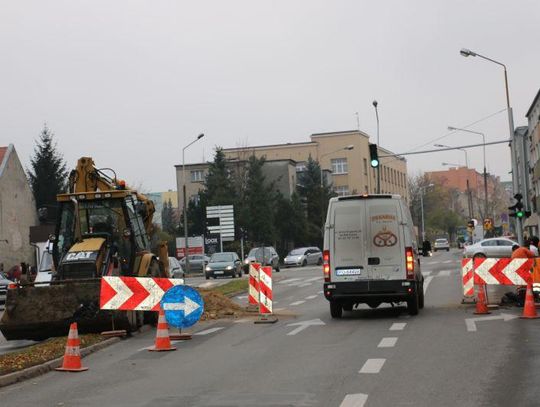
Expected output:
(492, 247)
(175, 268)
(223, 264)
(267, 256)
(4, 282)
(441, 244)
(197, 262)
(303, 256)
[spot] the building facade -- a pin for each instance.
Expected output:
(17, 211)
(533, 142)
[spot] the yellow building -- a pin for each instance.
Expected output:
(350, 169)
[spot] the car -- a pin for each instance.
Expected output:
(370, 254)
(492, 247)
(303, 256)
(197, 262)
(223, 264)
(175, 268)
(441, 244)
(266, 256)
(4, 282)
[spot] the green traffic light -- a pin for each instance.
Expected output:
(374, 163)
(520, 214)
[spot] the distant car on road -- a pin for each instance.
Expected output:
(175, 269)
(303, 256)
(223, 264)
(4, 282)
(197, 262)
(492, 247)
(441, 244)
(269, 258)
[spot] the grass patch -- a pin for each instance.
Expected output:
(41, 353)
(232, 287)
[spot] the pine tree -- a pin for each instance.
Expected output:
(48, 173)
(168, 220)
(218, 184)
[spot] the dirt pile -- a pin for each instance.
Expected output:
(217, 305)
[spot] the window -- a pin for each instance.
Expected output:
(489, 243)
(342, 190)
(366, 190)
(300, 167)
(197, 176)
(339, 166)
(504, 243)
(365, 166)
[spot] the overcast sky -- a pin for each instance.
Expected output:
(130, 83)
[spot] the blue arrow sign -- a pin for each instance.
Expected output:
(183, 306)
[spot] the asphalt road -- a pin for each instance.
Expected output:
(379, 357)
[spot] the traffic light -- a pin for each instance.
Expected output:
(517, 208)
(374, 155)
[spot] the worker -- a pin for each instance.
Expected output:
(522, 252)
(533, 245)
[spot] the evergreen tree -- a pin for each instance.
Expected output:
(218, 184)
(291, 221)
(168, 219)
(48, 173)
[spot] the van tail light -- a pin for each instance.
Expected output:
(12, 286)
(326, 265)
(409, 262)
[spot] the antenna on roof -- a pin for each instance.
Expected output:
(357, 121)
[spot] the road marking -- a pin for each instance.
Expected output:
(372, 366)
(310, 297)
(389, 342)
(471, 322)
(314, 278)
(446, 261)
(208, 284)
(354, 400)
(398, 326)
(241, 321)
(209, 331)
(279, 309)
(242, 297)
(304, 285)
(426, 283)
(320, 292)
(297, 302)
(304, 324)
(426, 273)
(290, 280)
(444, 273)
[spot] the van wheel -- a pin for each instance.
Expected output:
(348, 307)
(373, 304)
(304, 263)
(336, 310)
(421, 297)
(412, 304)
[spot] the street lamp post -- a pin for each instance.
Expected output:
(186, 244)
(485, 172)
(422, 210)
(468, 53)
(375, 104)
(457, 148)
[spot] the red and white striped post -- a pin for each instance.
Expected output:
(265, 296)
(253, 294)
(467, 280)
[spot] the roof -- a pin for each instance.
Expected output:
(533, 103)
(339, 133)
(249, 148)
(232, 162)
(4, 156)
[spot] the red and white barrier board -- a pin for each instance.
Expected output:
(467, 277)
(502, 271)
(134, 293)
(265, 290)
(253, 294)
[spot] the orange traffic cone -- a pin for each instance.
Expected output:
(481, 306)
(163, 342)
(72, 355)
(529, 310)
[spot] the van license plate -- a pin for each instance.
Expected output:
(348, 272)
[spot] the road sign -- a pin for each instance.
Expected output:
(183, 306)
(134, 293)
(225, 216)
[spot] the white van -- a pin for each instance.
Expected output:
(370, 254)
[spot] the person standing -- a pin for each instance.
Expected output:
(533, 245)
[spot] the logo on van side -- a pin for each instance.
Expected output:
(385, 238)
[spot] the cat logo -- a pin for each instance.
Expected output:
(79, 256)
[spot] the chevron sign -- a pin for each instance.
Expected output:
(134, 293)
(502, 271)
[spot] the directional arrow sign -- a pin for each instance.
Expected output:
(471, 322)
(183, 306)
(304, 324)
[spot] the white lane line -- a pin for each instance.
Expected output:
(278, 309)
(354, 400)
(304, 285)
(297, 302)
(241, 321)
(206, 285)
(290, 280)
(444, 273)
(389, 342)
(320, 292)
(426, 273)
(314, 278)
(426, 283)
(372, 366)
(209, 331)
(446, 261)
(242, 297)
(398, 326)
(310, 297)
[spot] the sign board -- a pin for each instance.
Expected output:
(196, 246)
(134, 293)
(183, 306)
(211, 243)
(225, 225)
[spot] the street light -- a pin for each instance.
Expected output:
(485, 172)
(186, 244)
(349, 147)
(457, 148)
(468, 53)
(422, 209)
(375, 103)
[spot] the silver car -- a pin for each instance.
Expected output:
(441, 244)
(492, 247)
(303, 256)
(197, 262)
(4, 282)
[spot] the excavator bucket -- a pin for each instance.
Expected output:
(42, 311)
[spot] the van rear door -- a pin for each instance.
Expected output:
(385, 246)
(347, 241)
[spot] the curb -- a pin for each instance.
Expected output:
(39, 370)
